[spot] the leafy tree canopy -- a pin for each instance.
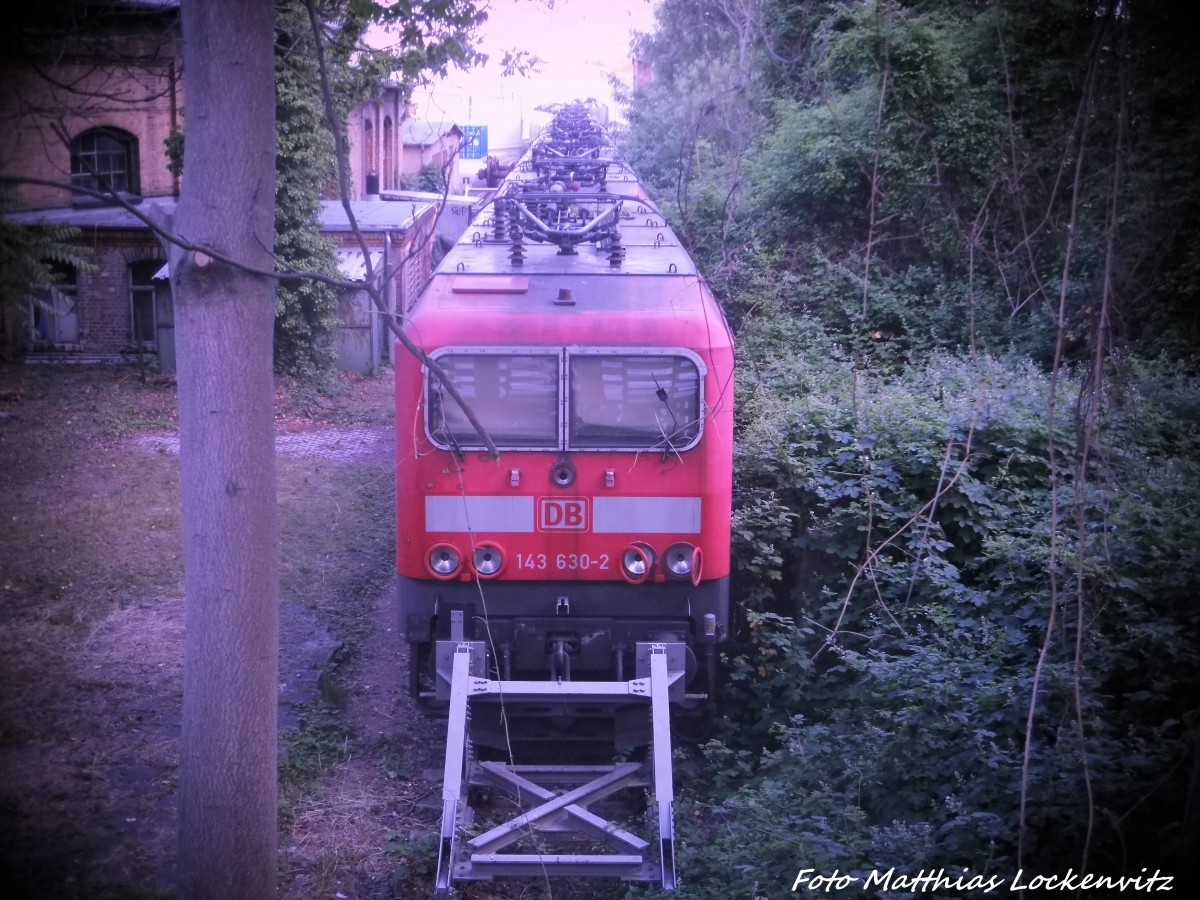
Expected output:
(958, 242)
(426, 38)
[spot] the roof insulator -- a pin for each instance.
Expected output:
(616, 253)
(518, 244)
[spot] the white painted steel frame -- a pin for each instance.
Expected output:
(632, 858)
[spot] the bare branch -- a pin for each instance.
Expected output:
(1079, 137)
(369, 285)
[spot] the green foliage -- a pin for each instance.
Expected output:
(31, 261)
(306, 311)
(894, 201)
(32, 264)
(430, 36)
(416, 860)
(885, 139)
(858, 455)
(431, 178)
(901, 520)
(808, 169)
(903, 772)
(311, 750)
(173, 147)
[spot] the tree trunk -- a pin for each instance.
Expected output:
(224, 326)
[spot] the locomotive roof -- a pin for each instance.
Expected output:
(655, 296)
(523, 309)
(650, 247)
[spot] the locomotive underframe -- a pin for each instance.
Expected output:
(423, 600)
(563, 631)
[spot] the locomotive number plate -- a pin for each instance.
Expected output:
(564, 562)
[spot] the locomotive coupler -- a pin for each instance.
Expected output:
(560, 662)
(506, 662)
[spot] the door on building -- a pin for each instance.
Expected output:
(54, 315)
(143, 315)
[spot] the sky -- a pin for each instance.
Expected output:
(573, 36)
(578, 41)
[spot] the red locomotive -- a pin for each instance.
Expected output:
(592, 353)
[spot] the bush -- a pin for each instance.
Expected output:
(894, 551)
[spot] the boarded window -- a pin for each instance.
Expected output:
(54, 314)
(142, 313)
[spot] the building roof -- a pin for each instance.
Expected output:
(417, 133)
(371, 215)
(87, 216)
(349, 262)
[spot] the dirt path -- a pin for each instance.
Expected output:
(363, 831)
(91, 607)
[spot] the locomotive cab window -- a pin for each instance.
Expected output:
(514, 396)
(633, 402)
(574, 399)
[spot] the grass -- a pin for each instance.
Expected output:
(336, 530)
(86, 525)
(91, 587)
(313, 750)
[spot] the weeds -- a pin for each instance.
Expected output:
(313, 749)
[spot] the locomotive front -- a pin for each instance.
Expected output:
(604, 379)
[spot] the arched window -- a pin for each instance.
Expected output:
(105, 159)
(389, 163)
(370, 166)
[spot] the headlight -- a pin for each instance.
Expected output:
(444, 560)
(637, 562)
(487, 560)
(683, 561)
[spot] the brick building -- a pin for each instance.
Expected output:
(388, 148)
(98, 100)
(373, 130)
(98, 104)
(122, 310)
(427, 144)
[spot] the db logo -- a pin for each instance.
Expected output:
(562, 514)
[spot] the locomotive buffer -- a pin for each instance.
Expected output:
(554, 799)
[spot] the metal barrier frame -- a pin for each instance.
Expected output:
(660, 667)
